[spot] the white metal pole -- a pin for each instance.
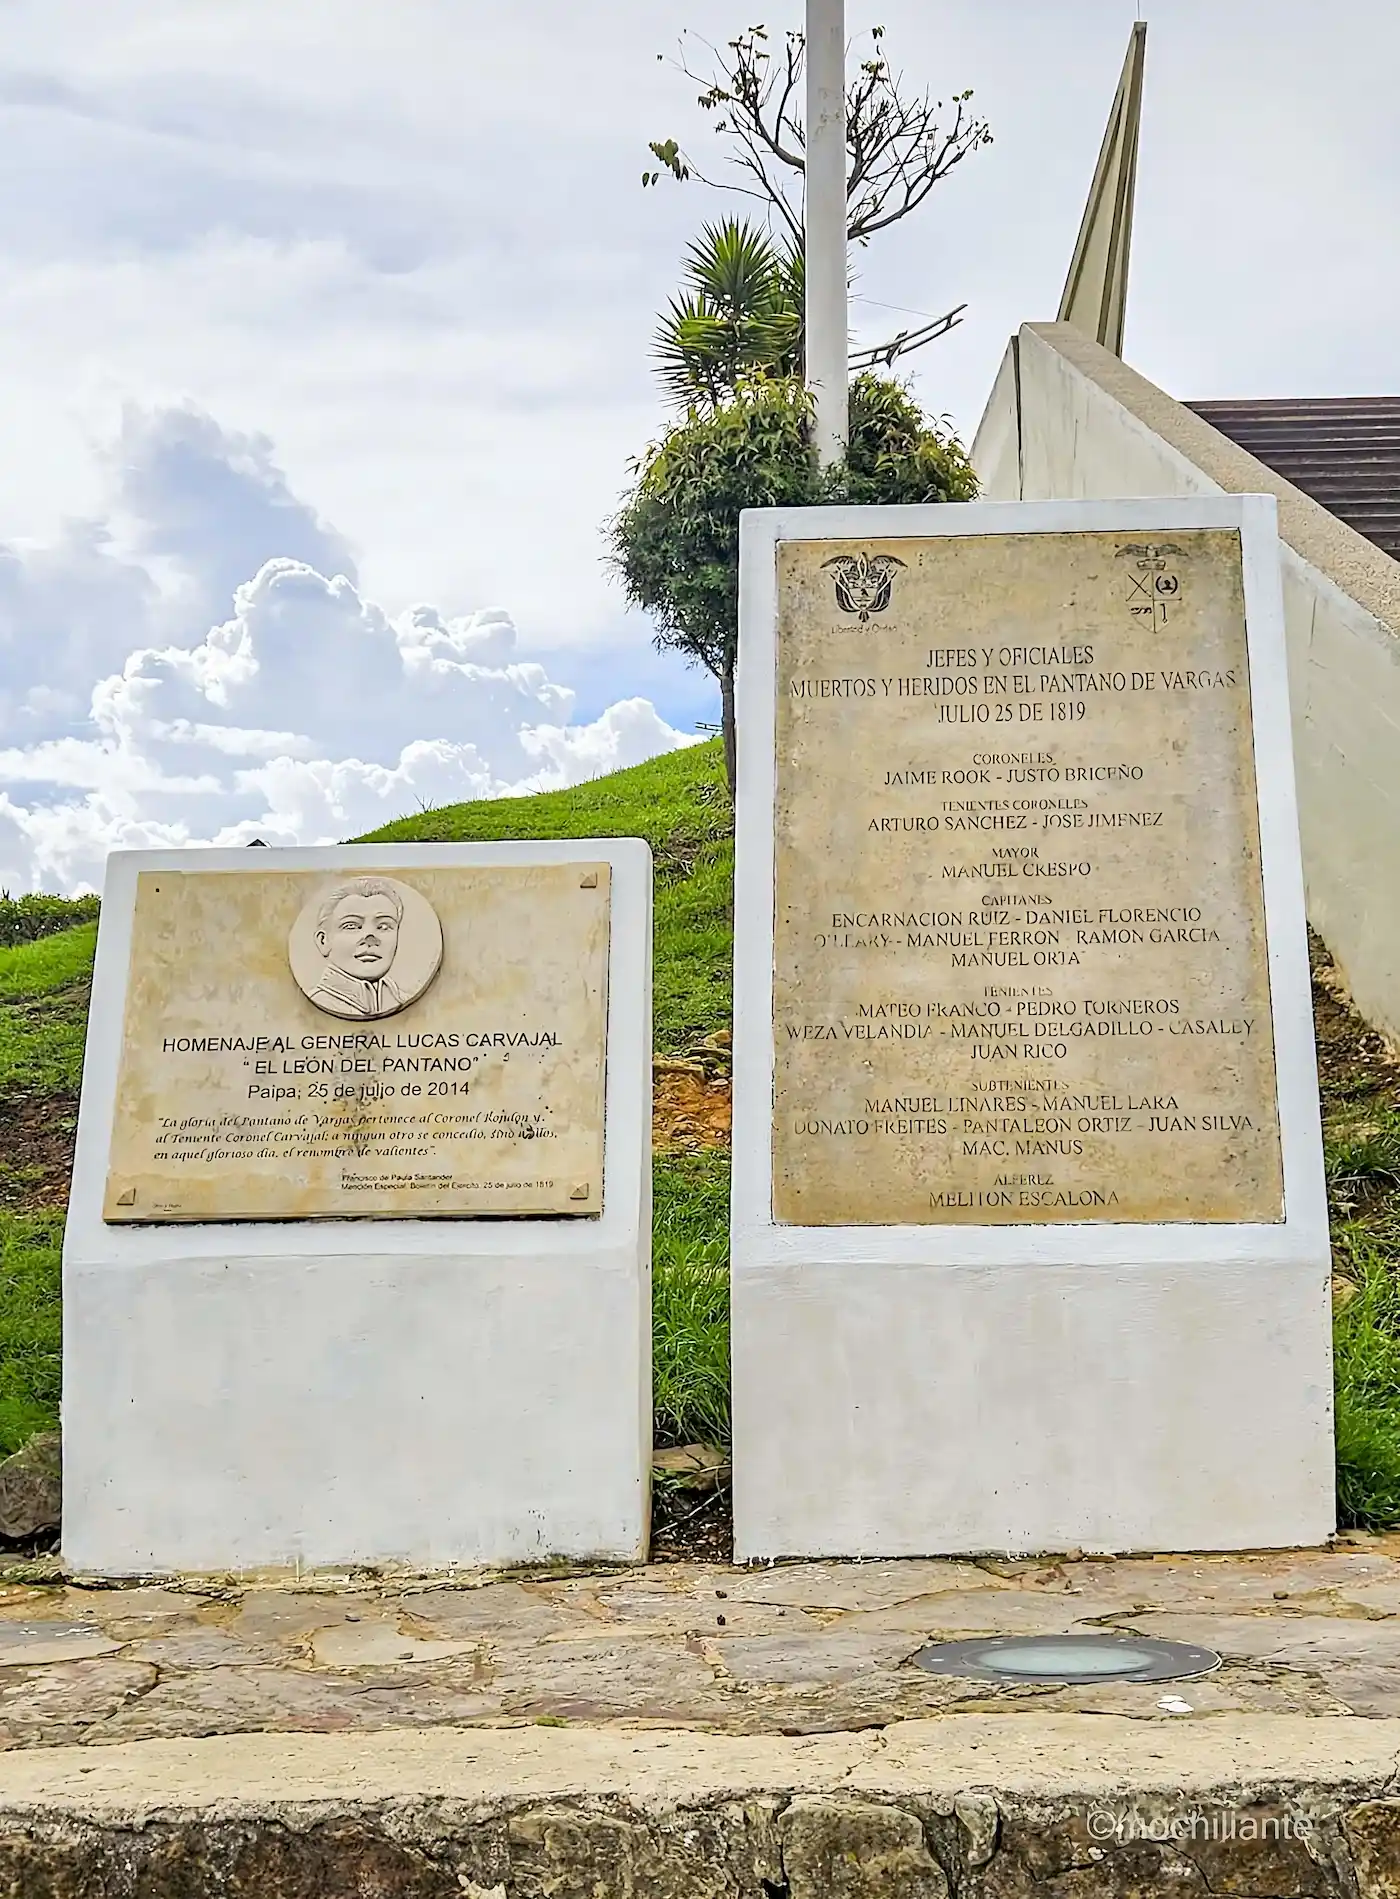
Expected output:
(826, 317)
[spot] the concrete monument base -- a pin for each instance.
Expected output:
(899, 1410)
(431, 1391)
(941, 1029)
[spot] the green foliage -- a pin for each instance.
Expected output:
(30, 1327)
(675, 541)
(692, 946)
(1366, 1354)
(895, 454)
(43, 1025)
(739, 313)
(25, 919)
(690, 1298)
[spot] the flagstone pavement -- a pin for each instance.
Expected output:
(800, 1648)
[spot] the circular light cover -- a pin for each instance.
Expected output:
(1067, 1658)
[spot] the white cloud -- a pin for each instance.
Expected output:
(308, 715)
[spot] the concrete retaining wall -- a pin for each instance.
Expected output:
(1068, 420)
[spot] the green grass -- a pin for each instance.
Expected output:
(690, 1298)
(1362, 1149)
(30, 1326)
(43, 1015)
(1363, 1162)
(54, 962)
(43, 1018)
(46, 965)
(1366, 1348)
(680, 806)
(41, 1049)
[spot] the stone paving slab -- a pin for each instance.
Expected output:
(804, 1648)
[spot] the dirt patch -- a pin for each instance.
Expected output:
(689, 1109)
(36, 1160)
(1354, 1061)
(686, 1528)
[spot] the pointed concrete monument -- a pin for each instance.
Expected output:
(1096, 290)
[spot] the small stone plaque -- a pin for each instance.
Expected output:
(303, 1044)
(1020, 966)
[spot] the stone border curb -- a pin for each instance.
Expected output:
(966, 1807)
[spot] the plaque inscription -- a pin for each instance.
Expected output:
(1020, 966)
(302, 1044)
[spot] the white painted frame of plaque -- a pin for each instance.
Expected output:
(932, 1390)
(432, 1392)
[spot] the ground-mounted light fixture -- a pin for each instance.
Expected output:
(1067, 1658)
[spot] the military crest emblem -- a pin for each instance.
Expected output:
(863, 582)
(1156, 585)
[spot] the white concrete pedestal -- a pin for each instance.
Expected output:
(330, 1392)
(927, 1390)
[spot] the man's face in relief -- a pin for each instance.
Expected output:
(361, 936)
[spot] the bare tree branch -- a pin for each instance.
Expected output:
(898, 146)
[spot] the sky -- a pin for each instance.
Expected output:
(324, 349)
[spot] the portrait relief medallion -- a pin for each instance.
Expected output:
(365, 947)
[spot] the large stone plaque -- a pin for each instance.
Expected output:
(348, 1043)
(1020, 970)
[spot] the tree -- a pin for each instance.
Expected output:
(899, 144)
(675, 541)
(739, 311)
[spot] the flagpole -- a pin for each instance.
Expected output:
(825, 256)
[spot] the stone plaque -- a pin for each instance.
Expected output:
(348, 1043)
(1020, 970)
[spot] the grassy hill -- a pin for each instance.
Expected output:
(679, 805)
